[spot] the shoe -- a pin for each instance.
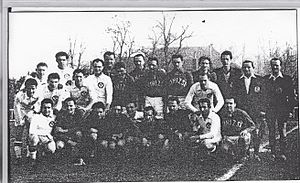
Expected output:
(81, 163)
(282, 157)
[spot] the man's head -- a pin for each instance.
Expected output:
(62, 59)
(230, 105)
(131, 108)
(98, 66)
(117, 110)
(41, 69)
(204, 63)
(98, 109)
(149, 113)
(30, 86)
(70, 105)
(47, 107)
(53, 81)
(173, 104)
(109, 60)
(203, 80)
(204, 106)
(121, 69)
(153, 64)
(78, 76)
(275, 65)
(177, 61)
(248, 68)
(226, 58)
(139, 61)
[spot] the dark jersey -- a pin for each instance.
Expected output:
(150, 129)
(93, 121)
(212, 76)
(179, 121)
(123, 90)
(178, 82)
(233, 124)
(151, 83)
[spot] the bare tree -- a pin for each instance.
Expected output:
(123, 42)
(75, 52)
(164, 35)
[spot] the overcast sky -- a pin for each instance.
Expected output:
(36, 37)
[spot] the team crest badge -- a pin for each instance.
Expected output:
(209, 95)
(84, 91)
(52, 123)
(55, 99)
(257, 89)
(66, 76)
(100, 85)
(279, 90)
(208, 125)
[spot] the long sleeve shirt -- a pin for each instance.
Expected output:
(82, 95)
(57, 95)
(196, 93)
(64, 74)
(101, 88)
(123, 90)
(151, 83)
(233, 124)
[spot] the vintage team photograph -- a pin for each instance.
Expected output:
(149, 95)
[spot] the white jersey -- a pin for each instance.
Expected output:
(196, 93)
(57, 96)
(64, 74)
(101, 88)
(41, 125)
(41, 82)
(25, 106)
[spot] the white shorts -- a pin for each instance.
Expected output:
(157, 103)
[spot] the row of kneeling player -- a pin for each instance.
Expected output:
(86, 134)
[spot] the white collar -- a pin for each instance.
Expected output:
(279, 75)
(252, 76)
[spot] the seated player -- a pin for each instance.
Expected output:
(40, 130)
(25, 105)
(54, 91)
(68, 130)
(95, 129)
(177, 121)
(237, 127)
(153, 132)
(119, 129)
(133, 113)
(207, 128)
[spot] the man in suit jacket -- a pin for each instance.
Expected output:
(280, 104)
(226, 75)
(250, 93)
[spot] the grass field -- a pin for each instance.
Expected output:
(146, 169)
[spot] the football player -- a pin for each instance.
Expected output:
(40, 130)
(64, 71)
(25, 105)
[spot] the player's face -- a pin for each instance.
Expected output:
(276, 67)
(78, 78)
(131, 108)
(152, 65)
(30, 90)
(203, 82)
(230, 105)
(173, 106)
(139, 62)
(53, 83)
(226, 61)
(71, 107)
(62, 61)
(149, 115)
(204, 65)
(109, 61)
(98, 68)
(204, 108)
(41, 71)
(46, 109)
(177, 63)
(121, 72)
(247, 68)
(99, 112)
(117, 110)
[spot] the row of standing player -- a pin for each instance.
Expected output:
(150, 86)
